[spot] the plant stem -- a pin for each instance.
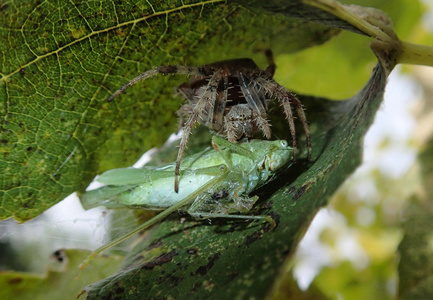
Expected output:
(415, 54)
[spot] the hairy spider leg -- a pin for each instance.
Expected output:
(301, 114)
(222, 103)
(270, 70)
(286, 99)
(164, 70)
(255, 101)
(208, 96)
(287, 108)
(250, 95)
(210, 110)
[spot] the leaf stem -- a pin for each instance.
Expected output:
(373, 22)
(415, 54)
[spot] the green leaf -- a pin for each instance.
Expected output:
(61, 61)
(59, 282)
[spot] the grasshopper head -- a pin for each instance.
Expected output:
(278, 156)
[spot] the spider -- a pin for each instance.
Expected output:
(230, 97)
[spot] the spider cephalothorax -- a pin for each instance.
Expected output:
(230, 97)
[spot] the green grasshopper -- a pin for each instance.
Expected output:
(215, 184)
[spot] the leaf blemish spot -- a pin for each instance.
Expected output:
(160, 260)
